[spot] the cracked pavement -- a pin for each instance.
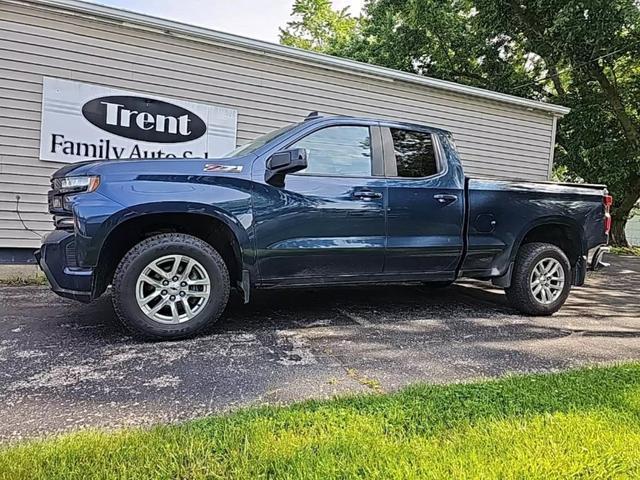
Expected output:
(66, 366)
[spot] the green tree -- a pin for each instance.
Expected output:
(589, 53)
(440, 39)
(581, 53)
(316, 26)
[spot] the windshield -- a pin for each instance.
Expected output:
(259, 142)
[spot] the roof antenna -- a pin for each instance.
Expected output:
(312, 116)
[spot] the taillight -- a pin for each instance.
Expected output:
(607, 200)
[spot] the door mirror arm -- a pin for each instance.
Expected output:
(282, 163)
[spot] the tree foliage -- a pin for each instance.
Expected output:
(584, 54)
(316, 26)
(589, 55)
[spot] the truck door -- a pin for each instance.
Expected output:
(425, 209)
(328, 222)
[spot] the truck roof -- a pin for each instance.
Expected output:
(315, 117)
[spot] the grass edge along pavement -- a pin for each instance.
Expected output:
(631, 251)
(38, 281)
(580, 423)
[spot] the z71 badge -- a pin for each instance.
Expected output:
(211, 167)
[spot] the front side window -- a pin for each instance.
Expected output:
(414, 152)
(339, 150)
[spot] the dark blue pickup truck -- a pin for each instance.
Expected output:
(328, 201)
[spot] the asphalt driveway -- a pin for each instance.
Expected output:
(66, 366)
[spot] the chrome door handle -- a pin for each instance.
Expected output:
(445, 199)
(366, 194)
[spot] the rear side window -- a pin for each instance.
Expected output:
(339, 150)
(415, 156)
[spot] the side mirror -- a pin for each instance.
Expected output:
(282, 163)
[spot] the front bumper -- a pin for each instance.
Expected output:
(56, 257)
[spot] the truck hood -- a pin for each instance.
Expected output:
(131, 168)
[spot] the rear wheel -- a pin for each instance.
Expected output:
(541, 279)
(170, 286)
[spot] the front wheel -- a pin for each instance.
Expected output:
(541, 279)
(170, 286)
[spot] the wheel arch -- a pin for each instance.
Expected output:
(563, 232)
(222, 231)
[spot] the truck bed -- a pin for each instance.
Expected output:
(497, 210)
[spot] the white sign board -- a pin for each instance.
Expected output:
(81, 121)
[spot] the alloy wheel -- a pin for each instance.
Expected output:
(173, 289)
(547, 281)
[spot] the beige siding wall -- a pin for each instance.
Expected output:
(494, 138)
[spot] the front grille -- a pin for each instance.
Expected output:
(62, 218)
(70, 254)
(56, 202)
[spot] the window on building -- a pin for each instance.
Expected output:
(339, 150)
(415, 155)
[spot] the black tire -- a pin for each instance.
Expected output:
(519, 293)
(134, 262)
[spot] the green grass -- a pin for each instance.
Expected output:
(23, 281)
(635, 251)
(579, 424)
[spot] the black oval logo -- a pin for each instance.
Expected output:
(144, 119)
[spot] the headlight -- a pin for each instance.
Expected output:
(76, 184)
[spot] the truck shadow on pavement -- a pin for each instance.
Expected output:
(467, 308)
(69, 365)
(605, 298)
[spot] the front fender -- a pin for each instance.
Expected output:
(239, 224)
(223, 198)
